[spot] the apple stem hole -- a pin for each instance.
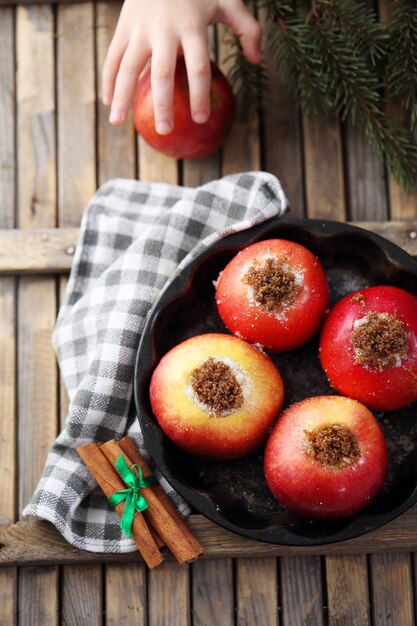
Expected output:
(333, 445)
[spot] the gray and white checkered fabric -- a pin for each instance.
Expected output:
(133, 238)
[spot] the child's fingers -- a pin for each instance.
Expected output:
(195, 47)
(164, 57)
(131, 65)
(110, 68)
(247, 29)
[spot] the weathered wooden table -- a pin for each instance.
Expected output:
(56, 147)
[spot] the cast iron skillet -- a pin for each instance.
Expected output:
(234, 493)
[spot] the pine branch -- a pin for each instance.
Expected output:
(355, 92)
(401, 69)
(289, 43)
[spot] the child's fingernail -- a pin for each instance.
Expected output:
(116, 116)
(200, 118)
(163, 128)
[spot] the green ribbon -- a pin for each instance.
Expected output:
(135, 501)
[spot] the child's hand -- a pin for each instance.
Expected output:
(159, 29)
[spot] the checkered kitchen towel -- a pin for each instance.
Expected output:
(133, 237)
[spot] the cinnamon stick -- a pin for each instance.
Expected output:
(110, 482)
(129, 447)
(157, 514)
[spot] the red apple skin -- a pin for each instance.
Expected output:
(309, 489)
(193, 429)
(248, 320)
(187, 140)
(379, 390)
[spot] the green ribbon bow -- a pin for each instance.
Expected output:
(135, 501)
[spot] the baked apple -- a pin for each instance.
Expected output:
(326, 458)
(187, 140)
(216, 396)
(368, 347)
(273, 293)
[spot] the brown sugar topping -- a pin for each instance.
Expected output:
(379, 341)
(358, 297)
(333, 445)
(216, 386)
(273, 282)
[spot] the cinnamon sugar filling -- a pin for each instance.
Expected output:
(217, 387)
(379, 341)
(274, 283)
(333, 445)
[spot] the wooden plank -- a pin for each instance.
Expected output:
(241, 151)
(81, 599)
(403, 205)
(75, 48)
(365, 179)
(51, 250)
(282, 144)
(347, 591)
(37, 406)
(212, 592)
(7, 119)
(46, 250)
(126, 597)
(76, 110)
(155, 167)
(8, 578)
(113, 141)
(257, 592)
(323, 163)
(37, 542)
(301, 591)
(392, 590)
(169, 600)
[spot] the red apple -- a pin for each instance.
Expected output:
(368, 347)
(326, 458)
(216, 396)
(273, 293)
(188, 140)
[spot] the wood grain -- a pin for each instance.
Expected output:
(76, 110)
(38, 542)
(116, 145)
(169, 599)
(37, 251)
(51, 250)
(7, 119)
(241, 151)
(257, 592)
(126, 595)
(282, 143)
(301, 591)
(347, 591)
(8, 578)
(213, 592)
(81, 599)
(365, 178)
(36, 186)
(76, 184)
(323, 164)
(392, 590)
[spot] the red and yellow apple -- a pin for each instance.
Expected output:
(368, 347)
(273, 293)
(216, 396)
(187, 140)
(326, 458)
